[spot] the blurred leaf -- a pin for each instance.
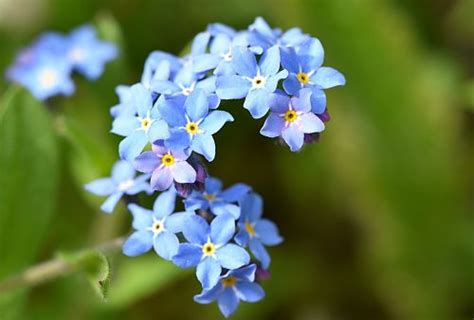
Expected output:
(28, 178)
(470, 95)
(137, 278)
(95, 266)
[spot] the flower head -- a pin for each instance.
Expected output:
(291, 118)
(256, 232)
(252, 81)
(209, 248)
(166, 165)
(122, 181)
(232, 287)
(216, 200)
(156, 228)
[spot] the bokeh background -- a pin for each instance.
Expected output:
(377, 216)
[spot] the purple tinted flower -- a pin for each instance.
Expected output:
(291, 118)
(166, 166)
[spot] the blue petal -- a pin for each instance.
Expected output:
(302, 102)
(125, 125)
(220, 44)
(270, 61)
(205, 62)
(327, 77)
(188, 255)
(109, 204)
(196, 105)
(273, 126)
(249, 292)
(122, 170)
(175, 222)
(158, 131)
(242, 238)
(146, 162)
(101, 187)
(204, 144)
(166, 245)
(179, 139)
(314, 49)
(245, 273)
(272, 81)
(215, 121)
(161, 179)
(244, 62)
(208, 296)
(221, 208)
(293, 137)
(231, 256)
(310, 123)
(212, 185)
(138, 243)
(165, 87)
(289, 60)
(260, 252)
(200, 42)
(142, 218)
(164, 204)
(183, 172)
(232, 87)
(291, 84)
(252, 207)
(318, 101)
(267, 232)
(278, 102)
(257, 103)
(208, 85)
(222, 229)
(196, 230)
(228, 302)
(172, 113)
(235, 192)
(208, 272)
(141, 98)
(131, 146)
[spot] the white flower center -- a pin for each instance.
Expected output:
(125, 185)
(48, 77)
(77, 54)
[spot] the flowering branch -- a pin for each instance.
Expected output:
(52, 269)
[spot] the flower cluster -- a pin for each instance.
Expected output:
(168, 120)
(45, 67)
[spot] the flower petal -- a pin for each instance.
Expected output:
(183, 172)
(273, 126)
(138, 243)
(270, 61)
(260, 252)
(131, 146)
(196, 229)
(215, 121)
(204, 144)
(249, 291)
(109, 204)
(318, 101)
(172, 113)
(142, 218)
(161, 179)
(327, 77)
(228, 302)
(231, 256)
(244, 62)
(257, 103)
(196, 105)
(208, 272)
(146, 162)
(222, 229)
(293, 137)
(166, 245)
(310, 123)
(235, 192)
(252, 207)
(267, 232)
(158, 131)
(164, 204)
(232, 87)
(101, 187)
(302, 102)
(188, 255)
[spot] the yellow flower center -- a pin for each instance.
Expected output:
(167, 160)
(258, 82)
(209, 196)
(145, 123)
(229, 282)
(208, 249)
(249, 228)
(48, 78)
(157, 226)
(291, 116)
(192, 128)
(303, 77)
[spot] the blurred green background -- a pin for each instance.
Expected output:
(377, 216)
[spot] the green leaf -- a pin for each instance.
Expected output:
(28, 178)
(95, 266)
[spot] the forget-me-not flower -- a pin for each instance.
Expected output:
(121, 182)
(192, 124)
(291, 118)
(233, 287)
(256, 232)
(167, 165)
(304, 66)
(209, 248)
(253, 81)
(156, 228)
(140, 128)
(216, 200)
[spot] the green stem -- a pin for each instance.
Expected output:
(51, 269)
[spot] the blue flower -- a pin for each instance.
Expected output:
(217, 201)
(304, 66)
(291, 118)
(160, 66)
(122, 181)
(256, 232)
(167, 165)
(142, 126)
(156, 228)
(192, 124)
(87, 54)
(253, 81)
(262, 35)
(208, 248)
(125, 105)
(232, 287)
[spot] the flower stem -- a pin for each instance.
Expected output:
(51, 269)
